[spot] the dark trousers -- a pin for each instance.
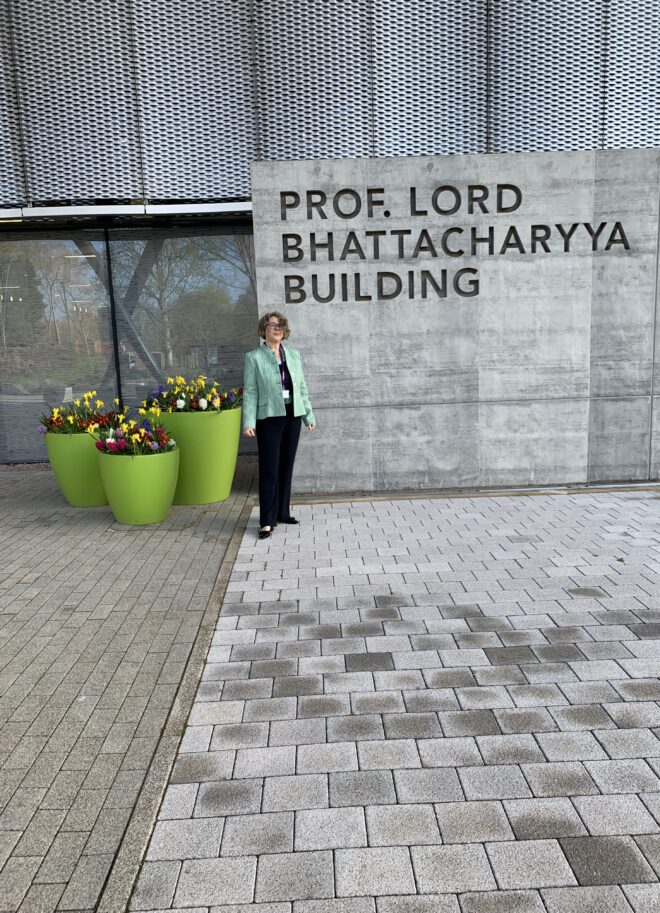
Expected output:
(277, 439)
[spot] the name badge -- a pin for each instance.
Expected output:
(286, 394)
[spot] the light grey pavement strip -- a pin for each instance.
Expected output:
(424, 705)
(99, 625)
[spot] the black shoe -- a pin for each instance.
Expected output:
(264, 533)
(291, 520)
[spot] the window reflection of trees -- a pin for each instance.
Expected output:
(194, 311)
(183, 304)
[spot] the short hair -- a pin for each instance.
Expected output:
(286, 332)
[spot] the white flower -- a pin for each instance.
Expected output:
(181, 404)
(203, 404)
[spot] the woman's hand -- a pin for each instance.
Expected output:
(249, 432)
(312, 427)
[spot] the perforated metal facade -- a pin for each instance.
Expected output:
(314, 80)
(430, 77)
(196, 97)
(170, 100)
(546, 73)
(632, 90)
(76, 87)
(12, 184)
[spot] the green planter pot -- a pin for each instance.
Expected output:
(208, 446)
(76, 467)
(139, 488)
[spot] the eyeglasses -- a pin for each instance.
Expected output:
(275, 326)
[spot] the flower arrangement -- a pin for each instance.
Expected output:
(83, 415)
(200, 395)
(131, 438)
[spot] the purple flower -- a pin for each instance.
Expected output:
(42, 430)
(146, 424)
(231, 397)
(154, 446)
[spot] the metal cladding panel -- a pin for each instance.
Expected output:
(12, 185)
(546, 74)
(77, 99)
(430, 77)
(313, 63)
(196, 98)
(632, 79)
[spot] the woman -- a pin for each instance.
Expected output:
(275, 399)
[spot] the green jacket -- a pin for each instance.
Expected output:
(262, 387)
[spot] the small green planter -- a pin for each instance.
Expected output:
(208, 445)
(139, 488)
(76, 467)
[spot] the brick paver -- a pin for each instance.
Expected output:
(416, 705)
(97, 623)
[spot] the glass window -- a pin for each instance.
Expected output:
(55, 333)
(185, 305)
(184, 301)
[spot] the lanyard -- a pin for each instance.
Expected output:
(282, 366)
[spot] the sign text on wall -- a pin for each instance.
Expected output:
(438, 238)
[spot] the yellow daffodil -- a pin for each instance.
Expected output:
(56, 412)
(142, 411)
(120, 418)
(135, 438)
(156, 410)
(180, 380)
(99, 404)
(216, 402)
(76, 402)
(124, 427)
(170, 380)
(70, 419)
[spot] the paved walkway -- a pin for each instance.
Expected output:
(97, 625)
(426, 706)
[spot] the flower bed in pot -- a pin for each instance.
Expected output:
(139, 466)
(206, 423)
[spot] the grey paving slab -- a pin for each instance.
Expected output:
(252, 835)
(396, 825)
(606, 860)
(203, 882)
(381, 870)
(455, 869)
(643, 898)
(587, 900)
(330, 828)
(530, 864)
(295, 876)
(473, 822)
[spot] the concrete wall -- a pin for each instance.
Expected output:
(546, 376)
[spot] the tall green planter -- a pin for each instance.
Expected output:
(139, 488)
(208, 446)
(76, 467)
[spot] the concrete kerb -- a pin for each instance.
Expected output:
(418, 494)
(121, 879)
